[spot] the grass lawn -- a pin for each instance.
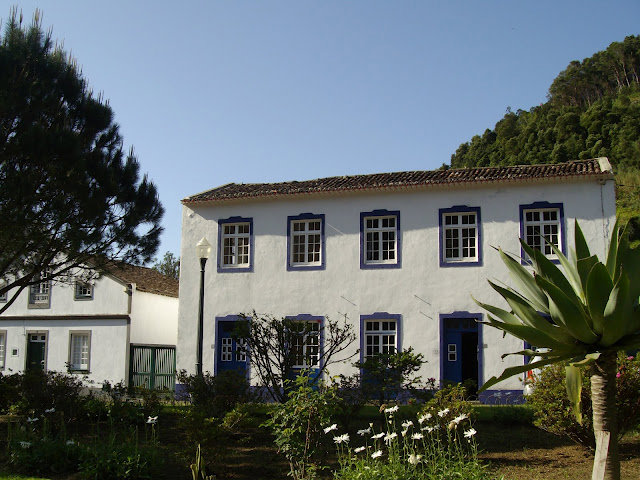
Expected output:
(510, 446)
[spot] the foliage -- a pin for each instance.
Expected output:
(71, 198)
(272, 344)
(198, 471)
(45, 456)
(213, 396)
(594, 313)
(169, 265)
(298, 423)
(387, 376)
(427, 447)
(507, 415)
(552, 408)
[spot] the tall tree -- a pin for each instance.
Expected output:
(169, 265)
(594, 312)
(70, 196)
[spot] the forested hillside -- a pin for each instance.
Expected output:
(593, 110)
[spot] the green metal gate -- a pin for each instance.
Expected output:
(152, 367)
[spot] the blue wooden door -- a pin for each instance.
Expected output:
(230, 352)
(460, 355)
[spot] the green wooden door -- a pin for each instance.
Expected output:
(152, 367)
(36, 348)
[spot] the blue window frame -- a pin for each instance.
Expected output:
(542, 223)
(305, 242)
(460, 235)
(230, 352)
(380, 333)
(235, 245)
(380, 242)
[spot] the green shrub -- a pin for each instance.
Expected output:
(553, 411)
(298, 425)
(46, 456)
(504, 414)
(121, 459)
(213, 396)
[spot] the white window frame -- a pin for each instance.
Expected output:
(40, 293)
(377, 335)
(306, 346)
(237, 251)
(381, 231)
(3, 349)
(542, 224)
(305, 238)
(83, 290)
(84, 354)
(458, 229)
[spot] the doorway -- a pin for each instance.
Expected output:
(36, 351)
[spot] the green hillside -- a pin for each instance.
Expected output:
(593, 110)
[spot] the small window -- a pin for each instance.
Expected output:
(541, 226)
(226, 355)
(235, 249)
(380, 239)
(3, 348)
(79, 351)
(460, 236)
(3, 297)
(40, 293)
(305, 241)
(84, 290)
(306, 345)
(380, 337)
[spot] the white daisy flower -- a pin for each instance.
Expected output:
(364, 431)
(442, 413)
(407, 424)
(391, 409)
(25, 444)
(390, 436)
(424, 418)
(331, 428)
(341, 438)
(378, 435)
(152, 420)
(359, 449)
(460, 418)
(404, 432)
(417, 436)
(376, 454)
(50, 410)
(414, 459)
(470, 433)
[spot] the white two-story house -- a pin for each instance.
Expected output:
(118, 326)
(400, 254)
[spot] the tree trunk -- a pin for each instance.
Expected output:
(606, 464)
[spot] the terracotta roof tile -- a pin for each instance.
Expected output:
(146, 279)
(230, 191)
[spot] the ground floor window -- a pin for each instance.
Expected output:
(380, 337)
(79, 350)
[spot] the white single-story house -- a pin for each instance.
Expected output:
(119, 326)
(400, 254)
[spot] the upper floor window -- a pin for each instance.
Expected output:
(40, 293)
(380, 239)
(541, 225)
(235, 245)
(305, 242)
(83, 290)
(79, 351)
(460, 240)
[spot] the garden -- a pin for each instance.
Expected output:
(51, 428)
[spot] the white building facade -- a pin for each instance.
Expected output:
(400, 254)
(96, 329)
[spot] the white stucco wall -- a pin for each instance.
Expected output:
(154, 319)
(108, 353)
(420, 291)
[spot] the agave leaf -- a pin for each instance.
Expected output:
(528, 316)
(630, 261)
(629, 342)
(526, 281)
(533, 336)
(511, 371)
(585, 360)
(506, 317)
(584, 268)
(574, 390)
(570, 271)
(612, 253)
(546, 268)
(617, 313)
(582, 249)
(634, 322)
(531, 353)
(599, 286)
(565, 311)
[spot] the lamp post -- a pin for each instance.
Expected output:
(203, 249)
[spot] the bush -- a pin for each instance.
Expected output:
(553, 411)
(46, 456)
(213, 396)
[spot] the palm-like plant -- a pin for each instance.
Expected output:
(594, 313)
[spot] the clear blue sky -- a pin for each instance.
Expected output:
(211, 92)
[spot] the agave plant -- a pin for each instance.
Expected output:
(580, 315)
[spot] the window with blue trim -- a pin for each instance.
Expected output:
(541, 226)
(306, 343)
(305, 240)
(380, 239)
(235, 244)
(380, 337)
(460, 241)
